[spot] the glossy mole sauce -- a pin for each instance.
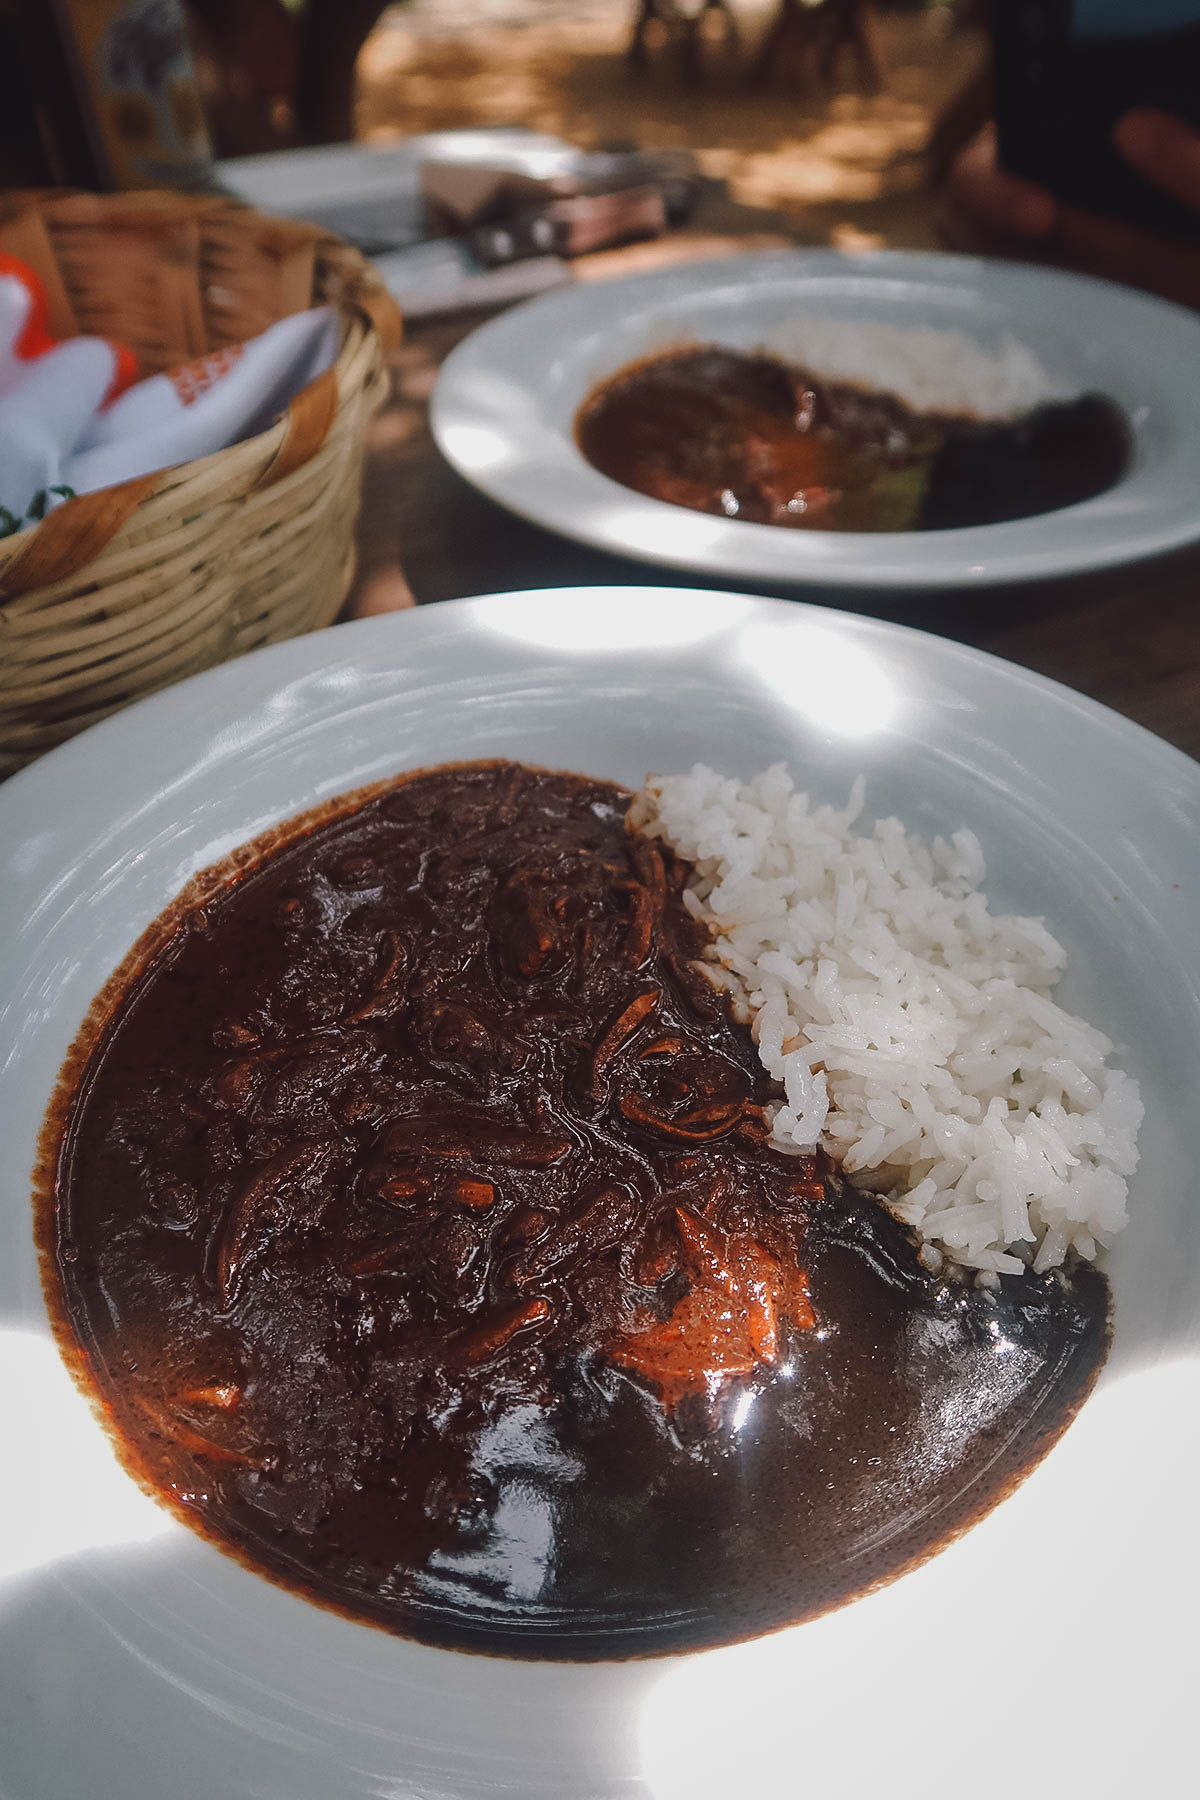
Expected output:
(416, 1223)
(748, 436)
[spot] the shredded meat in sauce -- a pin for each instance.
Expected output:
(748, 436)
(417, 1220)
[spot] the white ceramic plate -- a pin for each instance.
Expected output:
(505, 403)
(1045, 1649)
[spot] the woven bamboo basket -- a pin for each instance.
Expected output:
(117, 593)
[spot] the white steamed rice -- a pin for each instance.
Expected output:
(932, 369)
(910, 1029)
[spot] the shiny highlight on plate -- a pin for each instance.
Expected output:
(824, 676)
(79, 1497)
(612, 619)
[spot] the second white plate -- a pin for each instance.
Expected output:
(505, 403)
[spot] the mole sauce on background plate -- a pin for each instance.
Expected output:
(754, 438)
(416, 1223)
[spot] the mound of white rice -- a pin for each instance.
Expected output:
(911, 1030)
(933, 370)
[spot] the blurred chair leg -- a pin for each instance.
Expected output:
(847, 29)
(650, 13)
(789, 31)
(966, 115)
(332, 33)
(684, 34)
(728, 35)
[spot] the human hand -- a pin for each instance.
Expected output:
(988, 210)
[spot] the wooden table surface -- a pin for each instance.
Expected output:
(1129, 638)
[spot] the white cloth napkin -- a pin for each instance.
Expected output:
(70, 422)
(203, 406)
(49, 393)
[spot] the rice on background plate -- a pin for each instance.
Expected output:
(931, 368)
(912, 1030)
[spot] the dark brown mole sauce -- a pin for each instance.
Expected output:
(416, 1223)
(751, 437)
